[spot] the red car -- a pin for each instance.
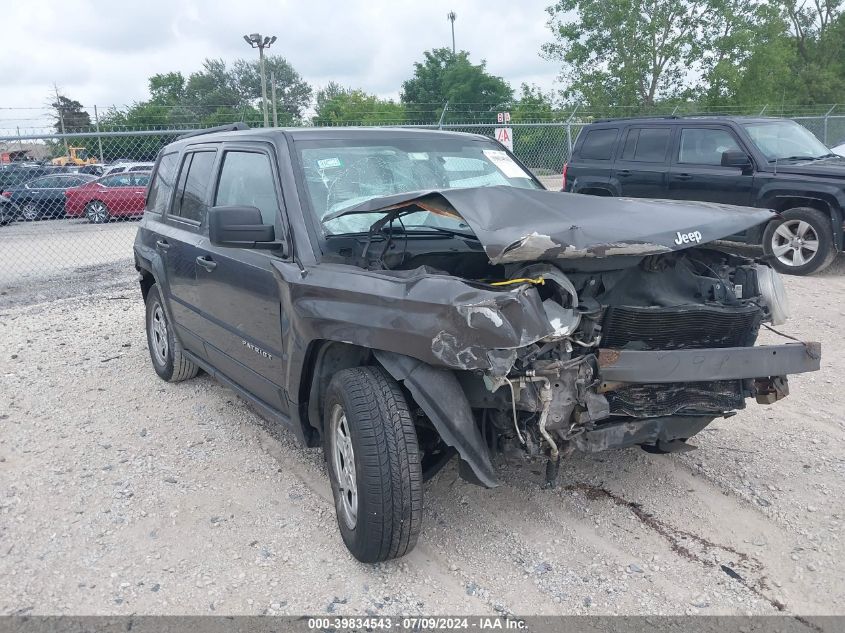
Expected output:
(117, 196)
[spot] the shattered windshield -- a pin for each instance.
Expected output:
(339, 174)
(786, 140)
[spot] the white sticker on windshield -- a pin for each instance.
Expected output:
(418, 155)
(505, 163)
(328, 163)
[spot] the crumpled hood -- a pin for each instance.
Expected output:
(515, 225)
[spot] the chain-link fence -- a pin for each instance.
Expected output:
(68, 201)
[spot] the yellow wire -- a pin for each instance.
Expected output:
(539, 281)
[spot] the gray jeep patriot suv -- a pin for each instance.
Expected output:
(404, 298)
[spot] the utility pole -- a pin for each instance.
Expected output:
(256, 41)
(273, 94)
(60, 108)
(99, 138)
(451, 17)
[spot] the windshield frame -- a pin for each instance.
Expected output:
(377, 138)
(748, 125)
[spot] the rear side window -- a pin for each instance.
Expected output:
(246, 179)
(598, 144)
(121, 180)
(162, 188)
(196, 174)
(42, 183)
(140, 180)
(646, 145)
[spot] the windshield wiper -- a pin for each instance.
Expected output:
(777, 160)
(423, 230)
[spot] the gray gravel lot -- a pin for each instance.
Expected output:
(32, 252)
(122, 494)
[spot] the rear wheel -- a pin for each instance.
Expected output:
(166, 352)
(801, 242)
(97, 212)
(374, 464)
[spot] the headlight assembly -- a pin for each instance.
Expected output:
(773, 292)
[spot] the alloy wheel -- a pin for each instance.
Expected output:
(29, 211)
(343, 461)
(97, 212)
(795, 243)
(158, 339)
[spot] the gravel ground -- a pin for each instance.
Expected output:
(36, 251)
(121, 494)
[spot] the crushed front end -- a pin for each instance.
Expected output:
(574, 323)
(647, 353)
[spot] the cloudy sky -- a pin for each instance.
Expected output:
(103, 52)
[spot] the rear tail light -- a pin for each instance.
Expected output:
(565, 167)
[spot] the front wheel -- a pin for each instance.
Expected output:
(97, 212)
(801, 242)
(373, 458)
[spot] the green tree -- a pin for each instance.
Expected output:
(538, 147)
(69, 112)
(532, 105)
(443, 76)
(214, 95)
(344, 106)
(293, 94)
(167, 88)
(797, 58)
(638, 52)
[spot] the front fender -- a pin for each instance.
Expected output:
(438, 393)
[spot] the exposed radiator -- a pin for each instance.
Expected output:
(683, 327)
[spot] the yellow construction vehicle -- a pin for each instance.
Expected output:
(76, 156)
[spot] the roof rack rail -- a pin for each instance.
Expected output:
(637, 118)
(229, 127)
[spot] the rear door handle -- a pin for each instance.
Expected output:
(162, 245)
(624, 173)
(683, 176)
(207, 263)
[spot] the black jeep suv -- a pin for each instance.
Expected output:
(406, 297)
(762, 162)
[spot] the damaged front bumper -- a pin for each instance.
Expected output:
(693, 365)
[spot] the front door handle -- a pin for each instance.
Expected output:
(162, 245)
(624, 173)
(683, 176)
(206, 262)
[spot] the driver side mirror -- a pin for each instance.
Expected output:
(735, 158)
(240, 227)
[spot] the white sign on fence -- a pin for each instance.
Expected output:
(505, 136)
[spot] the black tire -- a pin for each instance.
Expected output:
(782, 251)
(166, 352)
(387, 474)
(97, 212)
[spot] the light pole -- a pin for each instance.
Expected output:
(256, 41)
(451, 17)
